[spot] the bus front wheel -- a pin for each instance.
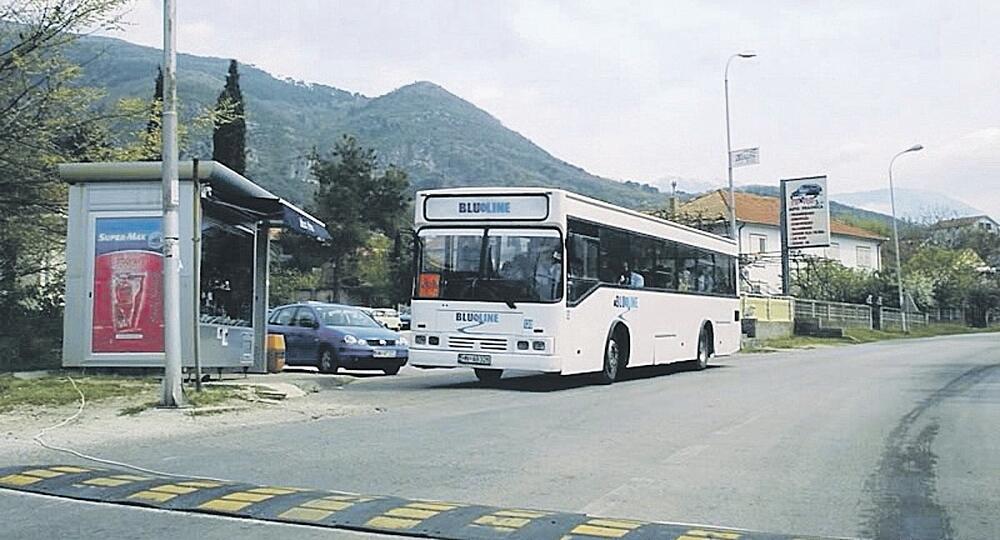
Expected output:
(488, 376)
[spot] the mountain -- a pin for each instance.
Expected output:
(440, 139)
(911, 204)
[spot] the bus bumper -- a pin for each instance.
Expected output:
(432, 358)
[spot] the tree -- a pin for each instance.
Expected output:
(355, 200)
(153, 124)
(229, 138)
(952, 273)
(44, 119)
(824, 279)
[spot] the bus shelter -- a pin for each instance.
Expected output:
(114, 265)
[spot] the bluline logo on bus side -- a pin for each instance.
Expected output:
(627, 302)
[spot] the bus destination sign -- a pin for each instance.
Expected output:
(486, 207)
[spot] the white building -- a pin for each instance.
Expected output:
(949, 228)
(758, 218)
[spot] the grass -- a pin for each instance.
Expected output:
(864, 335)
(55, 391)
(208, 397)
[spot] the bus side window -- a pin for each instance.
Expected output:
(687, 263)
(665, 273)
(614, 255)
(583, 255)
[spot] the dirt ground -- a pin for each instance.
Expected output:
(310, 397)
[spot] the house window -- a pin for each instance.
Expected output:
(864, 256)
(758, 243)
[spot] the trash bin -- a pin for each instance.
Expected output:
(275, 353)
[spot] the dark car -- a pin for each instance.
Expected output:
(332, 336)
(807, 190)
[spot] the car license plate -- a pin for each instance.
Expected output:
(382, 353)
(477, 359)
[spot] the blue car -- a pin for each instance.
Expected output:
(332, 336)
(807, 190)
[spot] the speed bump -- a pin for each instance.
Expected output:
(334, 509)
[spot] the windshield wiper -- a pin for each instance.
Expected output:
(496, 294)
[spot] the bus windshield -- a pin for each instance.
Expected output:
(492, 265)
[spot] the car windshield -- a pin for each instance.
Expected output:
(332, 316)
(507, 265)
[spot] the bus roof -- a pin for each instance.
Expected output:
(728, 244)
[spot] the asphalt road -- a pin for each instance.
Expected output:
(888, 440)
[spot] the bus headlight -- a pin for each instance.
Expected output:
(538, 345)
(420, 340)
(433, 340)
(522, 345)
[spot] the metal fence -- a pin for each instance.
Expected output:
(766, 308)
(947, 315)
(834, 313)
(892, 319)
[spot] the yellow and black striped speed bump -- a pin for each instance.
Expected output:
(411, 517)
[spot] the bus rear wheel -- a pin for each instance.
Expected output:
(488, 376)
(612, 361)
(704, 351)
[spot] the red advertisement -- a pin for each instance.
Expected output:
(128, 285)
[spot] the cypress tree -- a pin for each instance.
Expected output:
(153, 125)
(229, 137)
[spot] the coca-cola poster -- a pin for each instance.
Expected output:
(128, 285)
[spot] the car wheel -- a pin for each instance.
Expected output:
(391, 370)
(327, 361)
(612, 359)
(488, 376)
(701, 361)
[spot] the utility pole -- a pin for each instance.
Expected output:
(172, 394)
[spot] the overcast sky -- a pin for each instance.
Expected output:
(633, 90)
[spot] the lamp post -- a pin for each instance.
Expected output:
(729, 150)
(895, 233)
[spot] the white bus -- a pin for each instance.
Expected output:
(548, 280)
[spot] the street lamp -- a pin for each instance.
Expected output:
(895, 233)
(729, 150)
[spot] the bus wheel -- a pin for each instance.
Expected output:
(612, 359)
(488, 376)
(704, 351)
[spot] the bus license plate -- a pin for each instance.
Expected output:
(477, 359)
(384, 353)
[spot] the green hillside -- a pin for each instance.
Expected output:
(440, 139)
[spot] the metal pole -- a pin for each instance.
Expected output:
(895, 239)
(196, 272)
(729, 158)
(172, 393)
(895, 235)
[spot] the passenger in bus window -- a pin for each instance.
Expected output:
(706, 283)
(630, 278)
(548, 277)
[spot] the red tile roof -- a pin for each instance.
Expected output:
(751, 208)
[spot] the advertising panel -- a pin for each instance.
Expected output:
(128, 285)
(807, 212)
